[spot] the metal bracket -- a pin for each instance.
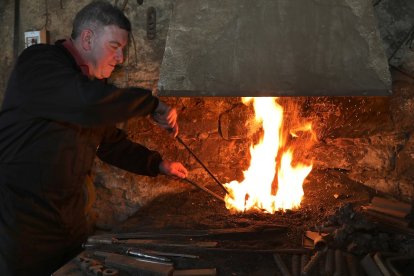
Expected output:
(151, 23)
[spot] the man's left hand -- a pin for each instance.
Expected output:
(166, 117)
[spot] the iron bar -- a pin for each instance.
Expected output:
(281, 265)
(296, 265)
(201, 163)
(204, 189)
(311, 264)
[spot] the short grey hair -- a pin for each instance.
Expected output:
(99, 14)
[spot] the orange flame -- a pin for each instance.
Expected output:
(255, 191)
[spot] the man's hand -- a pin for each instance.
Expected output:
(173, 168)
(166, 117)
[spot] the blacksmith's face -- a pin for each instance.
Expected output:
(107, 50)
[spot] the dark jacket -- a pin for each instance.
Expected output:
(52, 123)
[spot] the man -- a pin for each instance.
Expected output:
(57, 113)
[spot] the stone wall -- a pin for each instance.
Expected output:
(6, 36)
(368, 139)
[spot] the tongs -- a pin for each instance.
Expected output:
(206, 169)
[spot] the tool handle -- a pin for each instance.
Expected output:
(136, 253)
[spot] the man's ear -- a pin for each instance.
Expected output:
(86, 39)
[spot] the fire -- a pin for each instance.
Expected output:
(255, 191)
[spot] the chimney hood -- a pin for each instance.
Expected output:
(274, 48)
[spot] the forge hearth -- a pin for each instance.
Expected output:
(325, 191)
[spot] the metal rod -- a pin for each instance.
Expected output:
(330, 262)
(304, 259)
(173, 254)
(136, 253)
(314, 260)
(201, 163)
(352, 264)
(296, 265)
(281, 265)
(339, 266)
(261, 251)
(204, 189)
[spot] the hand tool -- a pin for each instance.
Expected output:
(193, 233)
(201, 163)
(171, 254)
(295, 265)
(91, 266)
(105, 239)
(136, 265)
(118, 248)
(136, 253)
(204, 189)
(311, 264)
(330, 262)
(281, 265)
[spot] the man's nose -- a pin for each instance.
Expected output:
(119, 56)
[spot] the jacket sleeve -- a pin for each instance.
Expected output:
(117, 150)
(51, 86)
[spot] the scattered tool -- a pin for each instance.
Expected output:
(135, 265)
(146, 252)
(190, 234)
(105, 239)
(281, 265)
(136, 253)
(90, 266)
(172, 254)
(313, 262)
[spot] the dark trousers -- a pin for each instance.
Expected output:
(38, 260)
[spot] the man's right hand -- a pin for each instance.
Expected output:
(166, 117)
(173, 168)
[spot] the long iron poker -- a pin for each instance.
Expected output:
(202, 164)
(204, 189)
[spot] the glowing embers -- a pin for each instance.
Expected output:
(270, 159)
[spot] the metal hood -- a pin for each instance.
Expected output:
(274, 48)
